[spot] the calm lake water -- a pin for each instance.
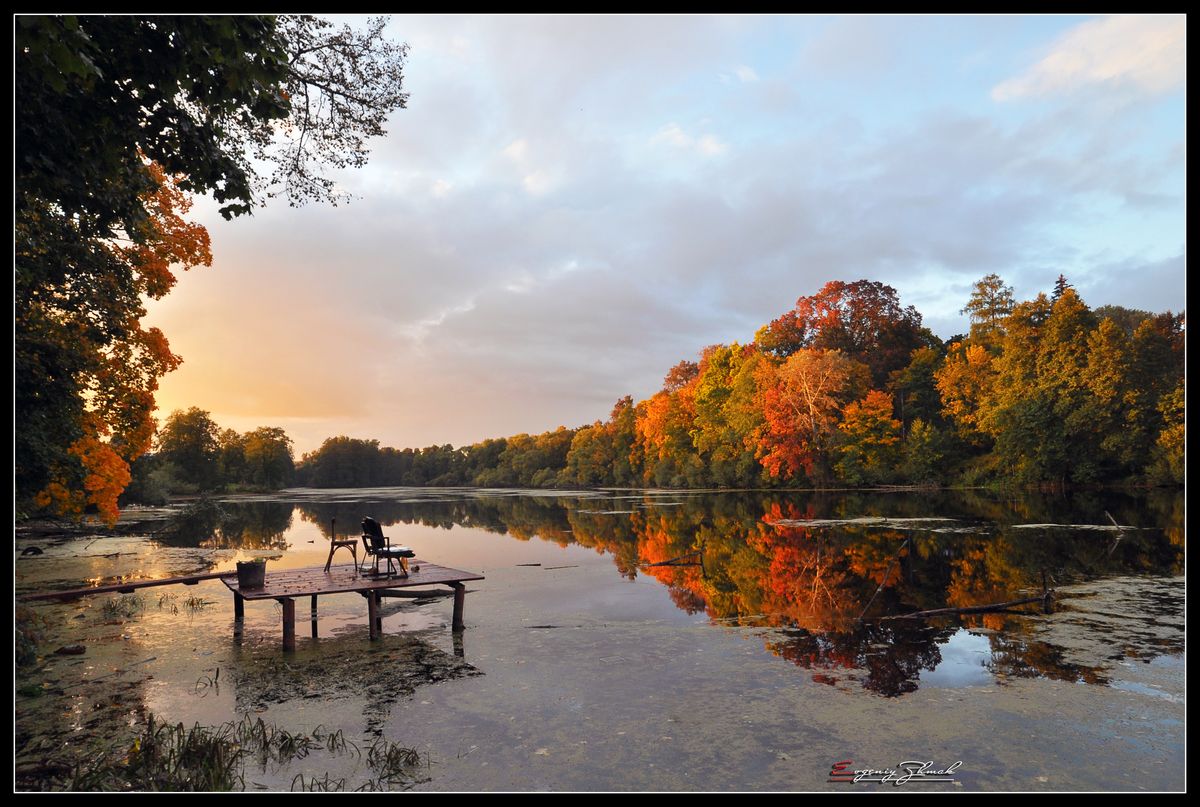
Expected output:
(657, 640)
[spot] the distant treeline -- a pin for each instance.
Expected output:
(195, 455)
(848, 388)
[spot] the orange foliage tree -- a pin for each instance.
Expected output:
(801, 400)
(87, 368)
(869, 440)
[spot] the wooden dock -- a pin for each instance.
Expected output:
(286, 585)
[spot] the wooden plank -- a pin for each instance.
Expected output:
(309, 581)
(289, 623)
(314, 616)
(413, 595)
(123, 588)
(373, 614)
(460, 599)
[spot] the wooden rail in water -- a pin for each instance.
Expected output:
(285, 585)
(126, 587)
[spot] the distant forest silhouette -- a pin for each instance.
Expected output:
(847, 388)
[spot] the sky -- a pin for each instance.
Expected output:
(569, 206)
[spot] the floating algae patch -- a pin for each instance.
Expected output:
(862, 521)
(1117, 619)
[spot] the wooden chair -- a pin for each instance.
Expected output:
(379, 546)
(335, 544)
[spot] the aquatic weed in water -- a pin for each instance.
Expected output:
(124, 607)
(393, 762)
(168, 600)
(315, 785)
(169, 757)
(195, 604)
(206, 682)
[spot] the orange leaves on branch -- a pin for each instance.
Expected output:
(89, 369)
(801, 402)
(869, 438)
(965, 381)
(166, 238)
(104, 476)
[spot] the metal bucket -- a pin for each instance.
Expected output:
(251, 574)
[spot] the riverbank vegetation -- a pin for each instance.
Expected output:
(849, 389)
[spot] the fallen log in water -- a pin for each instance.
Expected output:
(1045, 599)
(682, 560)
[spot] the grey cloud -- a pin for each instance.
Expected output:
(633, 260)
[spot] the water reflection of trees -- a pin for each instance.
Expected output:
(245, 525)
(887, 659)
(753, 559)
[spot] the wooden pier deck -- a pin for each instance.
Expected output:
(286, 585)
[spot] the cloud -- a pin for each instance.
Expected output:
(1144, 52)
(746, 74)
(531, 242)
(706, 145)
(517, 151)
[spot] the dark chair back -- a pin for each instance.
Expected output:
(372, 534)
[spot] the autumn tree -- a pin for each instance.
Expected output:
(990, 304)
(868, 445)
(864, 320)
(1156, 370)
(117, 119)
(915, 387)
(590, 458)
(1110, 400)
(1127, 319)
(964, 381)
(923, 454)
(1166, 465)
(727, 417)
(604, 453)
(664, 424)
(801, 400)
(86, 368)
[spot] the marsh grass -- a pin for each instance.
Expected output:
(206, 683)
(194, 604)
(125, 607)
(30, 629)
(392, 762)
(172, 757)
(315, 785)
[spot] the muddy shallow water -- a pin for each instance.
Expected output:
(643, 641)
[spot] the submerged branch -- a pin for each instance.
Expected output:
(682, 560)
(1046, 598)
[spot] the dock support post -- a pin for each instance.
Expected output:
(460, 598)
(239, 613)
(314, 616)
(373, 614)
(289, 623)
